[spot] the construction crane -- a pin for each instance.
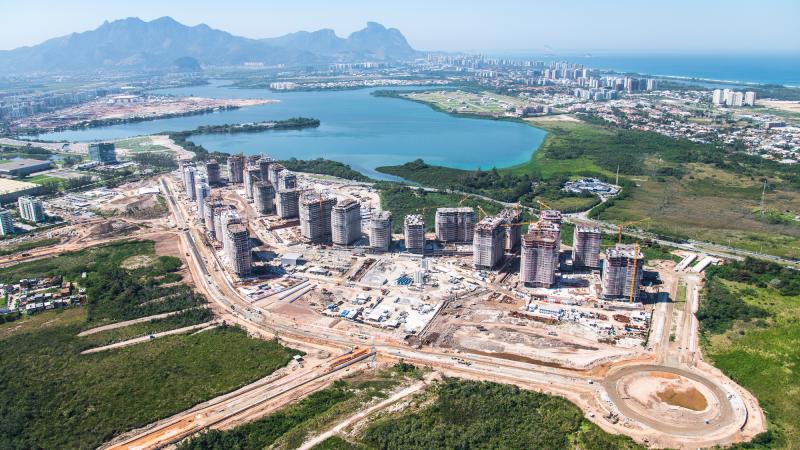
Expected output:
(461, 203)
(619, 227)
(517, 224)
(545, 205)
(633, 274)
(480, 208)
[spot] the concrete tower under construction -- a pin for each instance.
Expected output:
(250, 178)
(287, 203)
(346, 222)
(414, 233)
(622, 272)
(315, 218)
(540, 248)
(380, 231)
(511, 228)
(455, 224)
(237, 249)
(236, 165)
(488, 243)
(212, 172)
(287, 180)
(264, 197)
(586, 247)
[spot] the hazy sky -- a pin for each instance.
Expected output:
(612, 26)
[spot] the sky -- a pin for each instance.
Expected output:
(533, 26)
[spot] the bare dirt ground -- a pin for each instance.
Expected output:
(783, 105)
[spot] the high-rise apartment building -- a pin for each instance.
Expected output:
(190, 180)
(250, 178)
(586, 246)
(212, 172)
(287, 203)
(511, 228)
(236, 164)
(6, 223)
(287, 180)
(315, 218)
(414, 233)
(103, 152)
(31, 209)
(346, 222)
(237, 249)
(264, 197)
(622, 272)
(380, 231)
(455, 224)
(540, 247)
(488, 243)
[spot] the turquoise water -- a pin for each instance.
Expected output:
(356, 128)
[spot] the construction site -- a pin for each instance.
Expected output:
(313, 261)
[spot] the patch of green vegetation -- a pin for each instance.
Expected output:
(72, 264)
(184, 319)
(324, 167)
(403, 200)
(53, 397)
(761, 353)
(469, 414)
(42, 179)
(28, 245)
(337, 443)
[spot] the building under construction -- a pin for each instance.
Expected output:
(236, 165)
(540, 247)
(455, 224)
(264, 164)
(622, 272)
(414, 233)
(251, 176)
(220, 216)
(488, 243)
(512, 229)
(274, 174)
(586, 247)
(189, 173)
(380, 231)
(287, 180)
(264, 197)
(237, 249)
(315, 217)
(346, 222)
(212, 172)
(287, 203)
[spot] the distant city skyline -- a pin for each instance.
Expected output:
(622, 27)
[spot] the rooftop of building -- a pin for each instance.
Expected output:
(347, 204)
(462, 209)
(237, 228)
(414, 219)
(489, 223)
(382, 216)
(625, 251)
(550, 214)
(8, 186)
(316, 197)
(22, 164)
(587, 229)
(510, 214)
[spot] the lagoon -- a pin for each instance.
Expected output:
(356, 128)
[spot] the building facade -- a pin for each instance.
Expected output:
(455, 224)
(622, 273)
(103, 152)
(586, 247)
(488, 243)
(315, 218)
(31, 209)
(380, 231)
(414, 233)
(539, 259)
(6, 223)
(346, 222)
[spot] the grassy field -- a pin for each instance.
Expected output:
(42, 179)
(141, 144)
(750, 323)
(184, 319)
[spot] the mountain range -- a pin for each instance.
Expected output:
(167, 44)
